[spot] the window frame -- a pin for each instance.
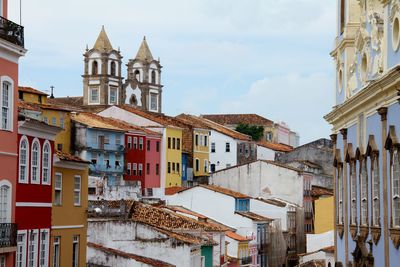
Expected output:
(46, 248)
(27, 162)
(393, 196)
(75, 241)
(227, 147)
(375, 181)
(10, 107)
(56, 251)
(21, 247)
(78, 191)
(38, 165)
(58, 189)
(49, 169)
(91, 89)
(364, 205)
(33, 247)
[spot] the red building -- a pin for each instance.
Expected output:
(11, 49)
(34, 191)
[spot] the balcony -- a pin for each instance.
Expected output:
(8, 236)
(246, 261)
(11, 32)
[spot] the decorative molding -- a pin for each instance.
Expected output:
(364, 231)
(383, 112)
(353, 231)
(376, 234)
(333, 138)
(344, 133)
(395, 236)
(340, 230)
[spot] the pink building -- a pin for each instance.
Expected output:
(153, 154)
(11, 49)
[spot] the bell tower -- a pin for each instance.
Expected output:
(142, 88)
(102, 78)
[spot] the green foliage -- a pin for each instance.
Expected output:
(256, 132)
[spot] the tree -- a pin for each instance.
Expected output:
(256, 132)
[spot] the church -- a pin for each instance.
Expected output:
(104, 85)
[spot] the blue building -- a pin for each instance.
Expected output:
(366, 130)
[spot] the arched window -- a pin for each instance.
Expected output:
(113, 68)
(137, 75)
(364, 192)
(5, 204)
(95, 68)
(46, 163)
(153, 76)
(6, 92)
(35, 162)
(395, 188)
(23, 160)
(375, 191)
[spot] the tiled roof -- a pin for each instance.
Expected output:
(173, 190)
(68, 157)
(62, 107)
(231, 119)
(214, 126)
(276, 147)
(22, 105)
(95, 121)
(76, 101)
(317, 191)
(235, 236)
(129, 127)
(168, 220)
(272, 201)
(31, 90)
(223, 190)
(253, 216)
(282, 165)
(310, 164)
(139, 258)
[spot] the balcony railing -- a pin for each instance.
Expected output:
(11, 32)
(8, 235)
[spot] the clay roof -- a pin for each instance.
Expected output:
(274, 146)
(102, 42)
(253, 216)
(282, 165)
(173, 190)
(272, 201)
(168, 220)
(139, 258)
(95, 121)
(68, 157)
(205, 123)
(75, 101)
(310, 164)
(223, 190)
(252, 119)
(22, 105)
(31, 90)
(129, 127)
(144, 53)
(237, 237)
(317, 191)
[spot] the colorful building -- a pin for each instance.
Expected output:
(11, 49)
(70, 191)
(34, 191)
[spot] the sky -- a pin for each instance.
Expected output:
(269, 57)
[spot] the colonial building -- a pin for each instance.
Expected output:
(11, 49)
(365, 129)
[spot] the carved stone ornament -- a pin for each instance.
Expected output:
(363, 234)
(353, 231)
(376, 234)
(352, 78)
(395, 236)
(376, 42)
(394, 10)
(340, 230)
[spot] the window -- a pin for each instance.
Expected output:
(353, 192)
(94, 95)
(35, 162)
(169, 167)
(62, 123)
(227, 147)
(113, 95)
(395, 189)
(178, 167)
(169, 142)
(54, 121)
(375, 192)
(21, 250)
(196, 140)
(134, 169)
(46, 120)
(57, 189)
(197, 165)
(205, 166)
(141, 143)
(395, 33)
(129, 142)
(148, 145)
(364, 192)
(205, 140)
(94, 138)
(32, 249)
(178, 143)
(158, 146)
(173, 143)
(153, 102)
(147, 168)
(128, 169)
(94, 158)
(242, 205)
(117, 140)
(92, 191)
(212, 147)
(113, 72)
(77, 190)
(137, 75)
(157, 169)
(44, 243)
(153, 76)
(59, 147)
(212, 167)
(228, 165)
(173, 166)
(107, 161)
(46, 163)
(6, 105)
(95, 68)
(117, 161)
(23, 160)
(56, 251)
(75, 251)
(135, 142)
(5, 203)
(340, 194)
(140, 171)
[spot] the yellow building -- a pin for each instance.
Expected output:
(31, 95)
(201, 154)
(173, 156)
(69, 217)
(324, 215)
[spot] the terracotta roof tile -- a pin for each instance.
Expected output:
(95, 121)
(76, 101)
(253, 216)
(31, 90)
(129, 127)
(272, 201)
(252, 119)
(173, 190)
(68, 157)
(139, 258)
(22, 105)
(222, 190)
(237, 237)
(282, 165)
(317, 191)
(276, 147)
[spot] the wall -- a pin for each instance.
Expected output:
(316, 242)
(153, 158)
(220, 158)
(174, 156)
(261, 179)
(135, 155)
(265, 153)
(324, 211)
(201, 152)
(64, 136)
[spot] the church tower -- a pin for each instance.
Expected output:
(102, 78)
(142, 88)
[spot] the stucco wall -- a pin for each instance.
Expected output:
(220, 158)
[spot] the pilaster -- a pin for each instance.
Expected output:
(345, 198)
